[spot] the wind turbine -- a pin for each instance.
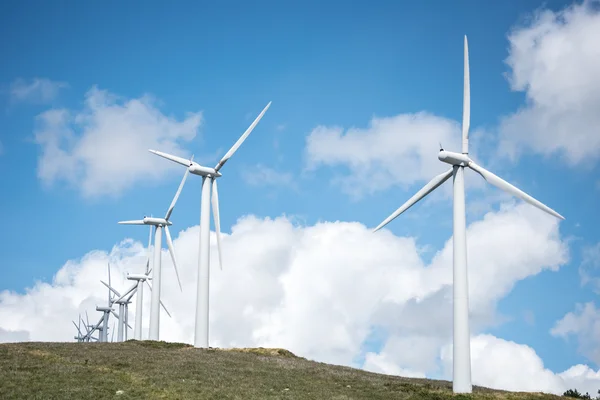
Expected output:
(158, 224)
(80, 337)
(125, 299)
(460, 161)
(91, 328)
(209, 179)
(122, 301)
(140, 279)
(106, 311)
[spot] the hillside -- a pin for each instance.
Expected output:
(151, 370)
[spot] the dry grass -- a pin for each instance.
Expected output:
(160, 370)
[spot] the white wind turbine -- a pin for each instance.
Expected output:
(139, 291)
(106, 311)
(209, 180)
(90, 329)
(124, 299)
(80, 337)
(158, 224)
(123, 302)
(461, 334)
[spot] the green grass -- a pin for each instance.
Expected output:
(160, 370)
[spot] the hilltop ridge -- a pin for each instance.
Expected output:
(161, 370)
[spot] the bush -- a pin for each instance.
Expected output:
(575, 394)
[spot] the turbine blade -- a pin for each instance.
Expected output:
(215, 207)
(507, 187)
(127, 293)
(132, 222)
(114, 314)
(178, 160)
(161, 303)
(165, 308)
(149, 250)
(239, 142)
(172, 252)
(110, 288)
(78, 330)
(170, 210)
(430, 187)
(466, 102)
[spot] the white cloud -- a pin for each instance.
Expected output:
(381, 364)
(584, 324)
(37, 90)
(392, 151)
(555, 59)
(277, 276)
(502, 364)
(7, 336)
(103, 148)
(261, 175)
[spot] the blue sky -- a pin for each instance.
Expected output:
(332, 64)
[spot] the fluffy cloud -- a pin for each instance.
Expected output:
(37, 90)
(584, 324)
(554, 60)
(103, 148)
(279, 276)
(397, 150)
(527, 373)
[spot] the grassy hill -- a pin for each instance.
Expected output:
(159, 370)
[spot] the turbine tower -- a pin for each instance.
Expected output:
(209, 180)
(159, 224)
(460, 161)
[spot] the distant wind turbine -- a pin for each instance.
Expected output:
(461, 336)
(106, 311)
(209, 179)
(80, 337)
(123, 302)
(158, 224)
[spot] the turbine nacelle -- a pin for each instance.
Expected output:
(148, 221)
(453, 158)
(104, 309)
(137, 277)
(156, 221)
(200, 170)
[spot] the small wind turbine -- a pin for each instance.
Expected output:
(123, 302)
(90, 329)
(158, 224)
(139, 289)
(80, 337)
(106, 311)
(125, 299)
(461, 336)
(209, 179)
